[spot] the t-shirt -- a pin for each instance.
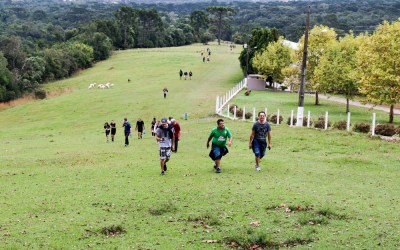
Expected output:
(219, 136)
(127, 127)
(166, 135)
(261, 130)
(140, 125)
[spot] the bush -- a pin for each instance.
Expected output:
(341, 125)
(247, 93)
(232, 108)
(274, 117)
(397, 130)
(284, 88)
(40, 94)
(320, 123)
(305, 118)
(239, 112)
(385, 129)
(248, 115)
(362, 127)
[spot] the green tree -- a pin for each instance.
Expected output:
(291, 76)
(220, 17)
(126, 20)
(272, 60)
(379, 67)
(149, 27)
(319, 39)
(8, 90)
(335, 72)
(32, 73)
(199, 21)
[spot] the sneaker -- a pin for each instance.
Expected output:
(218, 170)
(165, 167)
(258, 168)
(215, 166)
(162, 172)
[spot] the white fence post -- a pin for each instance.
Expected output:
(373, 124)
(266, 112)
(308, 119)
(291, 119)
(348, 122)
(277, 118)
(326, 120)
(244, 112)
(254, 114)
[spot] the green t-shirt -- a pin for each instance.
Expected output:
(219, 137)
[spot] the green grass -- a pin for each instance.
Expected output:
(63, 187)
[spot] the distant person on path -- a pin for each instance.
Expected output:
(219, 136)
(139, 127)
(190, 75)
(127, 131)
(166, 141)
(107, 128)
(208, 59)
(185, 74)
(177, 133)
(204, 59)
(258, 142)
(153, 124)
(180, 74)
(165, 91)
(113, 129)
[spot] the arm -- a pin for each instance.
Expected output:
(173, 142)
(208, 141)
(230, 141)
(269, 140)
(251, 138)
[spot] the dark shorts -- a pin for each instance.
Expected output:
(140, 130)
(217, 152)
(113, 131)
(107, 132)
(165, 153)
(259, 147)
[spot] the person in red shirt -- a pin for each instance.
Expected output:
(177, 133)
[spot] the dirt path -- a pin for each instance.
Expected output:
(358, 104)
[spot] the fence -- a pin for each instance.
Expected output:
(223, 100)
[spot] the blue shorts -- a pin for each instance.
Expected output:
(217, 152)
(259, 147)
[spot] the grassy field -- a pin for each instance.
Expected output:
(63, 187)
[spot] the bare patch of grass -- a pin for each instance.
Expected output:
(163, 208)
(112, 230)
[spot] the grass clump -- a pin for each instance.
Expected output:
(112, 230)
(163, 208)
(362, 127)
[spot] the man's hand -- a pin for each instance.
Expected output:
(208, 145)
(250, 146)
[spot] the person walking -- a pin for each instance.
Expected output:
(165, 90)
(219, 136)
(153, 124)
(127, 131)
(166, 142)
(185, 75)
(107, 128)
(190, 75)
(139, 127)
(113, 129)
(259, 132)
(180, 74)
(177, 133)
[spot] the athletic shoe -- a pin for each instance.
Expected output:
(218, 170)
(258, 168)
(215, 166)
(165, 167)
(162, 172)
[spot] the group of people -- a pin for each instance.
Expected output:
(185, 74)
(206, 58)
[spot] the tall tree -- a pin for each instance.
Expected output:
(272, 60)
(149, 28)
(199, 21)
(220, 17)
(335, 72)
(319, 38)
(8, 90)
(126, 19)
(379, 66)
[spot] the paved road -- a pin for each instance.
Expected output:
(358, 104)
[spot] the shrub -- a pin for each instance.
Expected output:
(247, 93)
(320, 123)
(274, 117)
(385, 129)
(239, 112)
(362, 127)
(305, 118)
(294, 121)
(248, 115)
(341, 125)
(40, 94)
(232, 108)
(397, 130)
(284, 88)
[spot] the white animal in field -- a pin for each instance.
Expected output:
(112, 85)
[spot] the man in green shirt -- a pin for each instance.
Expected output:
(219, 136)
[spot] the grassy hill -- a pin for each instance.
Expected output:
(63, 186)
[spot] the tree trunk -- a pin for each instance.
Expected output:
(316, 98)
(391, 113)
(347, 105)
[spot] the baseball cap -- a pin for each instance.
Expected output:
(164, 120)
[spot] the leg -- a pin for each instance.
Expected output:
(176, 145)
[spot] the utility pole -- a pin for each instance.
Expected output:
(300, 108)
